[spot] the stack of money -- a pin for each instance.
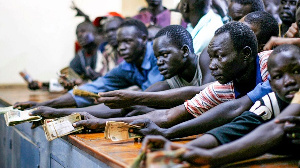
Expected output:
(118, 131)
(15, 116)
(4, 110)
(59, 127)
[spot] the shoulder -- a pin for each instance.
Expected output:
(267, 107)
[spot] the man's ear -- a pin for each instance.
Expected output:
(247, 52)
(185, 7)
(186, 50)
(145, 39)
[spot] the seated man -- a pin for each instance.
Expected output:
(240, 8)
(264, 27)
(287, 11)
(139, 68)
(234, 63)
(284, 67)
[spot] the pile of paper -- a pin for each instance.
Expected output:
(118, 131)
(59, 127)
(15, 116)
(4, 110)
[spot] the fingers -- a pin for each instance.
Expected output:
(35, 124)
(290, 119)
(154, 142)
(108, 94)
(82, 123)
(270, 44)
(141, 122)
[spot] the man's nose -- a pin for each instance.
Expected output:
(213, 64)
(289, 80)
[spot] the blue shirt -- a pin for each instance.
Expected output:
(123, 76)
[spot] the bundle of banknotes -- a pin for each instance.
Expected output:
(118, 131)
(15, 116)
(59, 127)
(161, 159)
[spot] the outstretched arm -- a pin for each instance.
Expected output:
(270, 135)
(163, 99)
(213, 118)
(65, 100)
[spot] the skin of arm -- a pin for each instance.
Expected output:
(163, 99)
(213, 118)
(276, 41)
(65, 100)
(163, 118)
(270, 135)
(100, 111)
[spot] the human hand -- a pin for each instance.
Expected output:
(291, 127)
(148, 127)
(155, 142)
(25, 105)
(292, 32)
(276, 41)
(90, 122)
(91, 74)
(137, 110)
(47, 112)
(34, 85)
(197, 156)
(118, 98)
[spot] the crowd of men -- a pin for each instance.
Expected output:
(229, 70)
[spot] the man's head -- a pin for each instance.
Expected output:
(172, 46)
(284, 69)
(287, 10)
(264, 26)
(85, 33)
(132, 40)
(239, 8)
(154, 3)
(232, 51)
(152, 31)
(188, 8)
(110, 29)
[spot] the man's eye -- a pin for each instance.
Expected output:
(277, 77)
(296, 72)
(293, 2)
(283, 2)
(165, 55)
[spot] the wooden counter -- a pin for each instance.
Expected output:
(99, 151)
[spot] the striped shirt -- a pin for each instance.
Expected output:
(217, 93)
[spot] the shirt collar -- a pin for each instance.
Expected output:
(202, 22)
(146, 65)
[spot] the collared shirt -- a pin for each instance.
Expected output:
(204, 31)
(123, 76)
(217, 93)
(163, 19)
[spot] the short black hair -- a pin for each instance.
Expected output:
(136, 23)
(265, 22)
(256, 5)
(241, 36)
(178, 35)
(89, 26)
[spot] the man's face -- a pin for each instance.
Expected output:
(131, 45)
(170, 59)
(284, 70)
(236, 11)
(225, 61)
(110, 29)
(181, 6)
(287, 10)
(256, 29)
(84, 35)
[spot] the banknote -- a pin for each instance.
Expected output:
(4, 110)
(15, 116)
(118, 131)
(59, 127)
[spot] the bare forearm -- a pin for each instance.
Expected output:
(213, 118)
(100, 111)
(168, 98)
(257, 142)
(65, 100)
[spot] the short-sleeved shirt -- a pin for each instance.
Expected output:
(123, 76)
(204, 31)
(178, 82)
(217, 93)
(261, 112)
